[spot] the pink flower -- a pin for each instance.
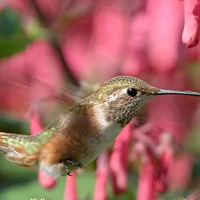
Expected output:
(167, 113)
(29, 76)
(180, 171)
(45, 180)
(102, 174)
(98, 47)
(147, 146)
(146, 190)
(166, 19)
(118, 160)
(191, 32)
(71, 191)
(36, 126)
(135, 58)
(166, 155)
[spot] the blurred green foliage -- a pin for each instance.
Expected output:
(23, 185)
(12, 38)
(13, 125)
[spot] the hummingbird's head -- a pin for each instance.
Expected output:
(122, 96)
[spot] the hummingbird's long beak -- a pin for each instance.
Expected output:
(164, 92)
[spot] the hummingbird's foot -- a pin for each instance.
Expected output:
(71, 162)
(67, 170)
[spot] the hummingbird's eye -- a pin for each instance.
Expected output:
(132, 92)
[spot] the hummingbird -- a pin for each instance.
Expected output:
(85, 130)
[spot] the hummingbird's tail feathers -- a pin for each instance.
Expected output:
(11, 146)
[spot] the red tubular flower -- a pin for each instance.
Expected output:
(118, 161)
(102, 174)
(166, 155)
(36, 126)
(146, 190)
(171, 114)
(71, 191)
(166, 18)
(179, 176)
(190, 35)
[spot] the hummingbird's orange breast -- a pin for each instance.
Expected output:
(76, 141)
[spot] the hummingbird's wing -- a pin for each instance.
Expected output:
(13, 147)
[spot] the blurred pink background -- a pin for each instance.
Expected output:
(81, 44)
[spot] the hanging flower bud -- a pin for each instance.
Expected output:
(190, 35)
